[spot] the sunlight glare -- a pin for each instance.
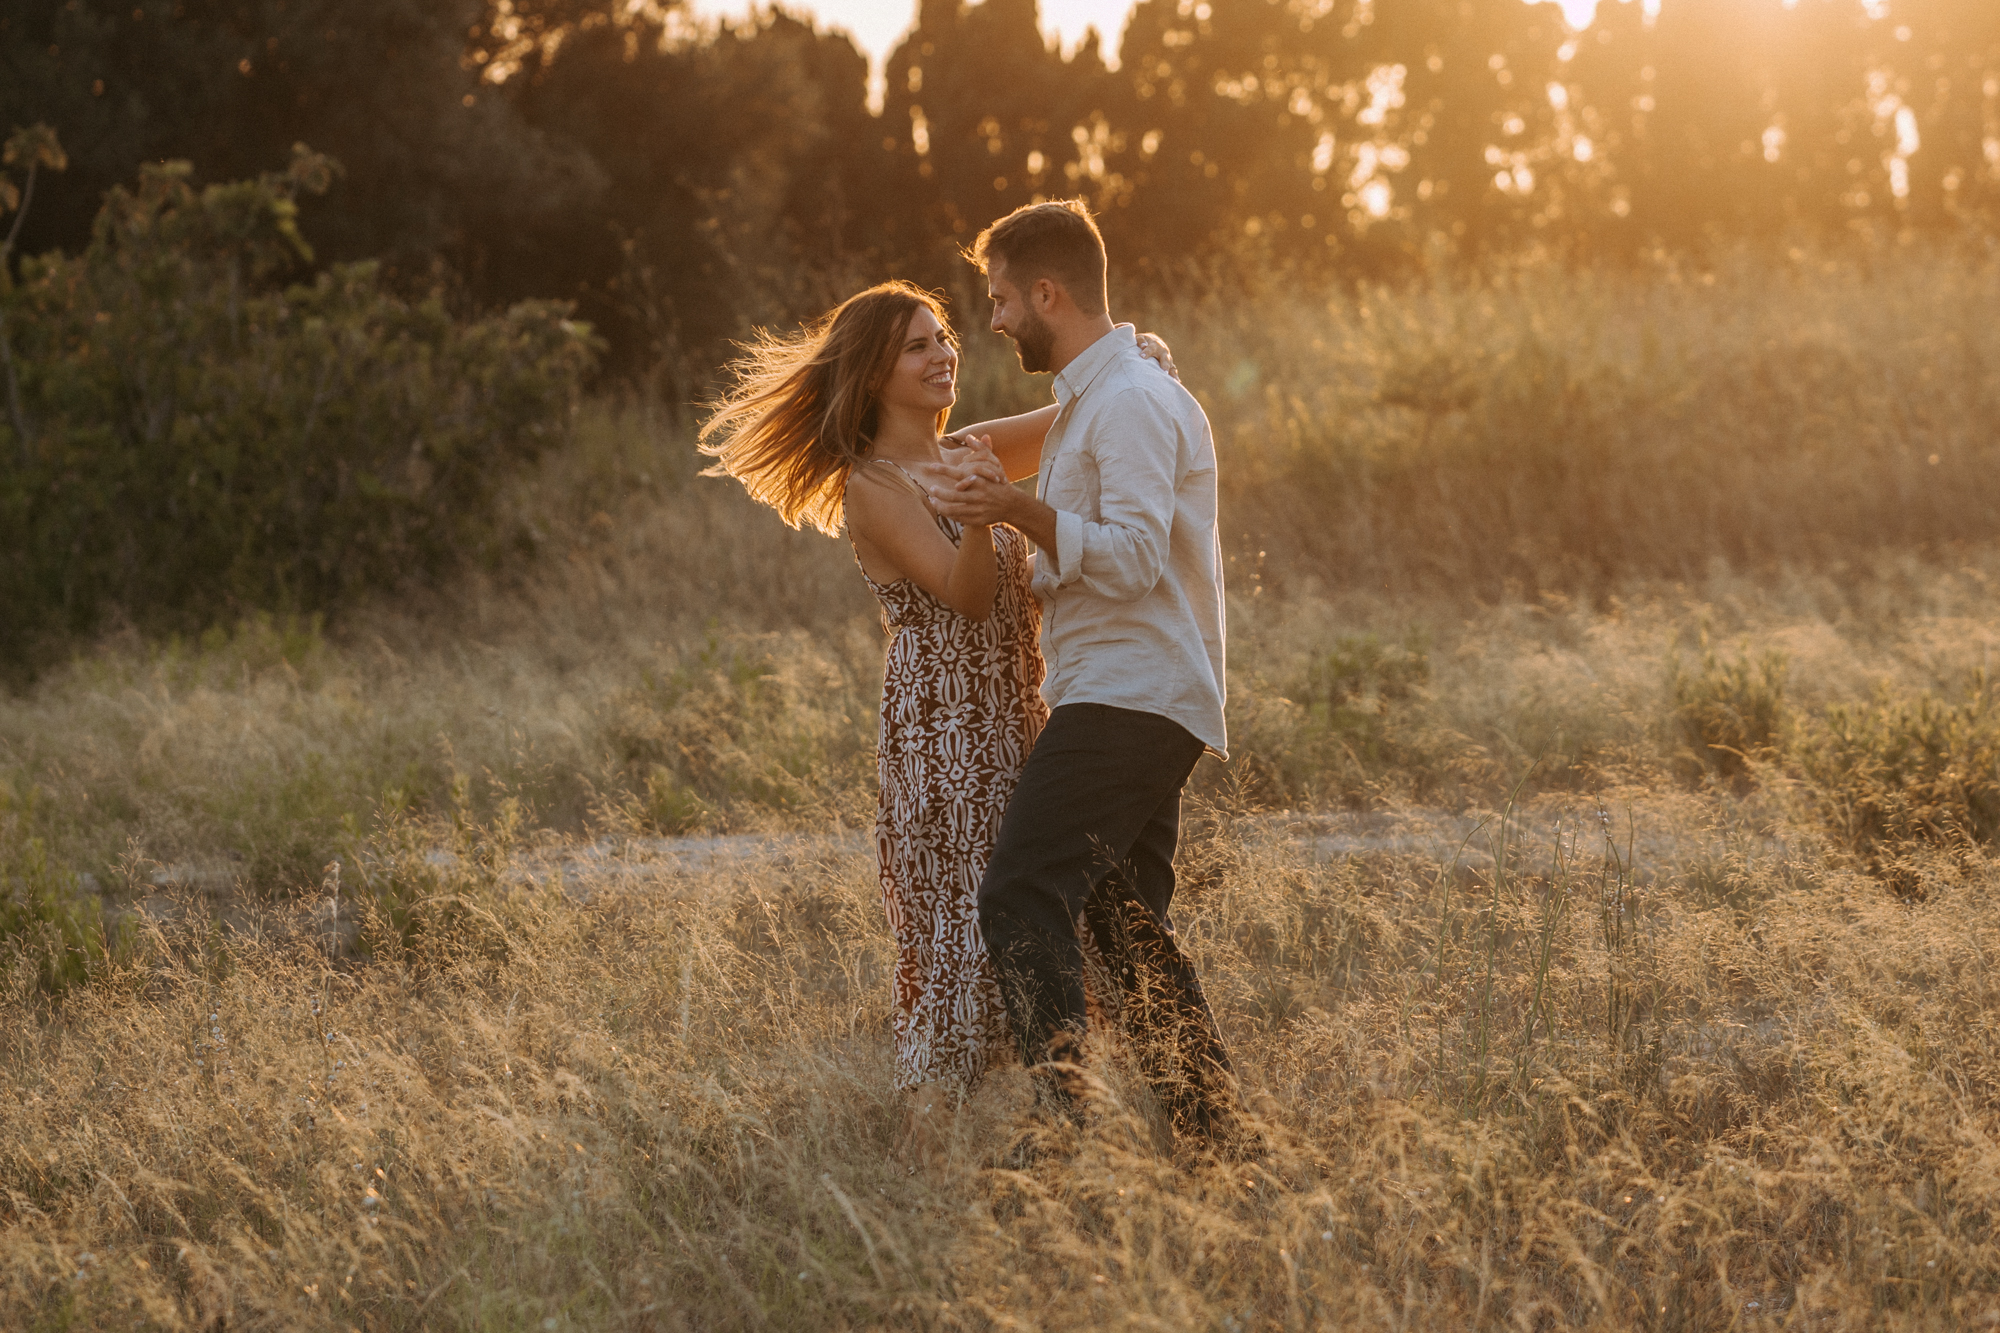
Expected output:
(1579, 13)
(877, 26)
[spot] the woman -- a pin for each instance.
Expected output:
(835, 424)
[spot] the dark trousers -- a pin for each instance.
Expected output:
(1091, 830)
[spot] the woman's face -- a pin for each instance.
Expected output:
(924, 378)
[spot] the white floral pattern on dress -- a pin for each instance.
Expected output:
(961, 708)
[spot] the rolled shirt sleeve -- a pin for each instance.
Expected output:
(1069, 547)
(1122, 553)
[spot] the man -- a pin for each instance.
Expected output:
(1129, 575)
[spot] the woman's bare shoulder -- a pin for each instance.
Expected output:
(878, 482)
(877, 493)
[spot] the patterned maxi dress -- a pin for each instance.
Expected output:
(961, 707)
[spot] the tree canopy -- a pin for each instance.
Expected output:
(679, 179)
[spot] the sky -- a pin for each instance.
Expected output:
(876, 25)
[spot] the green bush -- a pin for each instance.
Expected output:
(1726, 711)
(45, 917)
(733, 726)
(1352, 689)
(1355, 723)
(187, 439)
(1906, 771)
(1360, 672)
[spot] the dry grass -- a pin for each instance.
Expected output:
(1726, 1089)
(1731, 1066)
(1546, 429)
(1639, 1085)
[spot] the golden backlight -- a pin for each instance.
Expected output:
(877, 25)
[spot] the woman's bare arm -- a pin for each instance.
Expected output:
(897, 535)
(1016, 441)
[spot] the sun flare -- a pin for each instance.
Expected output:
(877, 25)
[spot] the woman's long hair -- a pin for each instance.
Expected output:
(802, 410)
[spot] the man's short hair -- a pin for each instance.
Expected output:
(1057, 240)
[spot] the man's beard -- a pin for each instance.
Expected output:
(1035, 341)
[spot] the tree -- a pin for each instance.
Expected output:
(1220, 132)
(190, 439)
(436, 166)
(746, 179)
(989, 116)
(683, 180)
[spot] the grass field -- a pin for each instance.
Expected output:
(1597, 899)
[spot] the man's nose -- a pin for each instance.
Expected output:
(996, 325)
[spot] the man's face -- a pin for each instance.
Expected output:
(1014, 316)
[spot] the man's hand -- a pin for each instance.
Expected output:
(972, 498)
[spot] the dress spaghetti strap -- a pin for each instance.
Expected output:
(903, 477)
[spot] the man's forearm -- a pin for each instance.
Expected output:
(978, 499)
(1034, 520)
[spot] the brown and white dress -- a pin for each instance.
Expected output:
(961, 707)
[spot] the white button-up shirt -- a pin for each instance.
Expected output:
(1132, 612)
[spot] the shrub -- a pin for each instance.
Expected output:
(1899, 772)
(1726, 712)
(1360, 672)
(1351, 688)
(188, 440)
(737, 726)
(1336, 732)
(46, 919)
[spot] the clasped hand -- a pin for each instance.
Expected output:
(969, 484)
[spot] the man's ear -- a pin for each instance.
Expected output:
(1045, 294)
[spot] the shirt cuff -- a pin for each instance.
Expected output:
(1069, 547)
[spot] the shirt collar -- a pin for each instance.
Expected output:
(1093, 361)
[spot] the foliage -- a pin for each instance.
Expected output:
(1727, 712)
(1360, 671)
(728, 727)
(684, 179)
(1536, 428)
(745, 180)
(189, 440)
(1359, 717)
(47, 923)
(428, 893)
(1401, 630)
(1899, 771)
(438, 169)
